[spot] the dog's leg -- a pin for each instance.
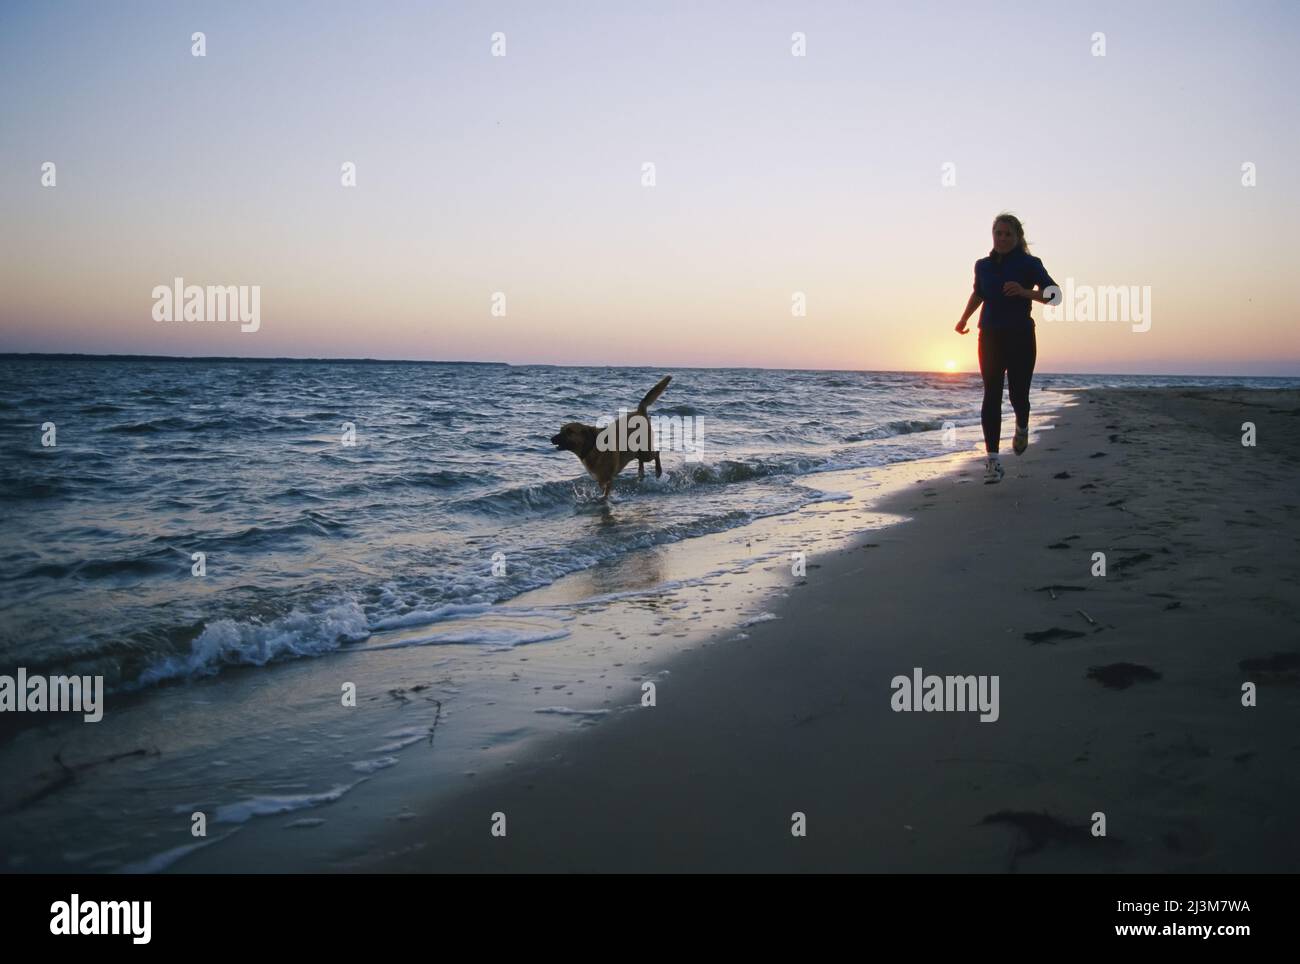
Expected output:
(640, 469)
(659, 469)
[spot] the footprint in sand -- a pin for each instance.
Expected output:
(1191, 841)
(1037, 830)
(1186, 749)
(1279, 668)
(1120, 676)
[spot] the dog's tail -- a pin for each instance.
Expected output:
(652, 396)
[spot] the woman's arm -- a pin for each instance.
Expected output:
(1033, 294)
(1041, 284)
(971, 304)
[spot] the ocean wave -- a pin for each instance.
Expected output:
(263, 806)
(100, 408)
(160, 862)
(230, 642)
(539, 497)
(20, 490)
(373, 766)
(169, 423)
(471, 632)
(401, 739)
(906, 426)
(437, 479)
(680, 409)
(504, 638)
(159, 562)
(310, 522)
(730, 471)
(547, 496)
(426, 617)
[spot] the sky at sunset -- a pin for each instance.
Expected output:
(775, 174)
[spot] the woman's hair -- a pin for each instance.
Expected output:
(1014, 222)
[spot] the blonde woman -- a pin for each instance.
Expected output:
(1005, 284)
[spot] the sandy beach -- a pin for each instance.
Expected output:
(452, 440)
(1118, 695)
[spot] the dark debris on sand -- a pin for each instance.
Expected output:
(1052, 635)
(1037, 830)
(1120, 676)
(1278, 668)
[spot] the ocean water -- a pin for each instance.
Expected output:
(311, 545)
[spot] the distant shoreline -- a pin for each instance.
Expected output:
(285, 359)
(87, 356)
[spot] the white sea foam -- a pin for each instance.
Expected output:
(402, 738)
(485, 635)
(229, 642)
(160, 862)
(262, 806)
(425, 617)
(371, 766)
(830, 497)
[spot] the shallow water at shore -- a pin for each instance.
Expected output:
(269, 752)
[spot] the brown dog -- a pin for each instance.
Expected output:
(605, 451)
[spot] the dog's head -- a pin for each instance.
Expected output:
(576, 438)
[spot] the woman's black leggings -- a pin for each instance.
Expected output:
(1013, 352)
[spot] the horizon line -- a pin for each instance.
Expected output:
(71, 356)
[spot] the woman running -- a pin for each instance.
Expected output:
(1005, 283)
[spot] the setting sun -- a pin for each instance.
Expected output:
(950, 365)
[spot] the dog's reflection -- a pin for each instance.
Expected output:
(630, 573)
